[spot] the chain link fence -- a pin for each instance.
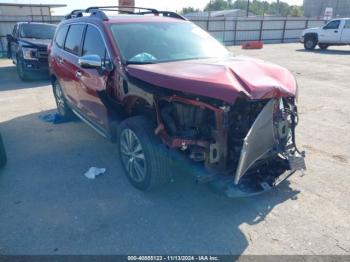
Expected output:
(234, 31)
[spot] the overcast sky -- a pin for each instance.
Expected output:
(170, 5)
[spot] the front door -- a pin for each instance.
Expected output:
(93, 81)
(14, 44)
(330, 33)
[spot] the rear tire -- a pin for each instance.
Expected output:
(3, 157)
(310, 42)
(62, 106)
(142, 154)
(323, 46)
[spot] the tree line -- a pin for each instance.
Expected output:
(257, 7)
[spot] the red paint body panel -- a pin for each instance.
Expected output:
(224, 79)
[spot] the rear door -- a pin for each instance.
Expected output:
(345, 36)
(68, 62)
(331, 32)
(56, 56)
(93, 81)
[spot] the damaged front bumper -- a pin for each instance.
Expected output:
(272, 136)
(268, 155)
(272, 133)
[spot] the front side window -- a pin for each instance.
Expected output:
(154, 42)
(93, 43)
(37, 31)
(73, 39)
(333, 25)
(61, 36)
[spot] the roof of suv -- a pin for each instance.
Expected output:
(143, 15)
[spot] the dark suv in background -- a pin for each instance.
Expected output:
(173, 97)
(27, 47)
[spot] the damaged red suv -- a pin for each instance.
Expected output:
(173, 98)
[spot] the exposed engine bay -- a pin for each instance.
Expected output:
(250, 138)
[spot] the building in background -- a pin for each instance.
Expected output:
(27, 9)
(317, 8)
(130, 3)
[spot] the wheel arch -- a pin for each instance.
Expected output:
(139, 106)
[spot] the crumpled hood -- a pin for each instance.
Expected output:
(223, 79)
(35, 42)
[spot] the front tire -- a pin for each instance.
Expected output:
(21, 71)
(63, 109)
(142, 154)
(310, 42)
(323, 46)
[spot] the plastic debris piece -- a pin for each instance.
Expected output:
(253, 45)
(94, 172)
(54, 118)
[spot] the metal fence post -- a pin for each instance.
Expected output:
(235, 32)
(261, 29)
(224, 30)
(284, 30)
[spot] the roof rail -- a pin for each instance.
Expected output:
(120, 8)
(98, 11)
(75, 13)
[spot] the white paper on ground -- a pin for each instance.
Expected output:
(94, 172)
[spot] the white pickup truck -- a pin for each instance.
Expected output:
(335, 32)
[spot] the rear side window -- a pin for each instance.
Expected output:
(73, 39)
(61, 36)
(93, 43)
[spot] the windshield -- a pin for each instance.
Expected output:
(165, 42)
(37, 31)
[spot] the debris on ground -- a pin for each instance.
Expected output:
(94, 172)
(54, 118)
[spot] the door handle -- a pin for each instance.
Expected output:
(78, 74)
(336, 31)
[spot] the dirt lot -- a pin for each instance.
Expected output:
(49, 207)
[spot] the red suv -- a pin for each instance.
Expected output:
(173, 98)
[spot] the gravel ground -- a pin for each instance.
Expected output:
(49, 207)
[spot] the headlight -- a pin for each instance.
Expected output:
(29, 53)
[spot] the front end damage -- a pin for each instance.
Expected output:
(246, 148)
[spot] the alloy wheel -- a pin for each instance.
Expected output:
(132, 155)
